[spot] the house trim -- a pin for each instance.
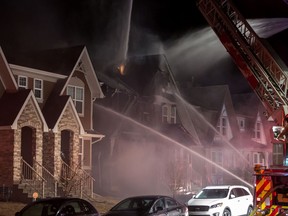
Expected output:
(8, 80)
(94, 86)
(81, 129)
(32, 97)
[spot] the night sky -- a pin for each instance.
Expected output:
(155, 27)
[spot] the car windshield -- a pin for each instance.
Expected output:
(134, 204)
(212, 194)
(42, 208)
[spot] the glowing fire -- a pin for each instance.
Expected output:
(121, 69)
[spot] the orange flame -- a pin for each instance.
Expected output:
(121, 69)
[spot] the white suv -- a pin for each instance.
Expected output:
(221, 201)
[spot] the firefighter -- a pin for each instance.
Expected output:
(284, 132)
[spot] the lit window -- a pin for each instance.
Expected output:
(23, 82)
(38, 88)
(77, 95)
(169, 114)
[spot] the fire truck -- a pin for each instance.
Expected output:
(270, 83)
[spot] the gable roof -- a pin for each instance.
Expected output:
(55, 107)
(12, 104)
(208, 97)
(139, 74)
(250, 107)
(206, 104)
(6, 75)
(61, 61)
(246, 104)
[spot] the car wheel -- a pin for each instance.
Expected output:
(249, 211)
(226, 212)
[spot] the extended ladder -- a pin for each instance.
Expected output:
(255, 62)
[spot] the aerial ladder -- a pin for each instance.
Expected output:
(269, 82)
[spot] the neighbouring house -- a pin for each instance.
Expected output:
(147, 138)
(46, 127)
(234, 131)
(164, 136)
(255, 129)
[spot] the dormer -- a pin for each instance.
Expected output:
(223, 126)
(258, 134)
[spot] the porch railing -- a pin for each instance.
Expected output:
(32, 178)
(76, 180)
(51, 185)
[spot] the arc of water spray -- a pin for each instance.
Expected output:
(127, 35)
(175, 142)
(212, 127)
(186, 104)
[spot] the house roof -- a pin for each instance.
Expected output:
(246, 104)
(7, 77)
(59, 61)
(206, 107)
(178, 133)
(208, 97)
(139, 75)
(53, 109)
(10, 106)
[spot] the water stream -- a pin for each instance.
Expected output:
(136, 123)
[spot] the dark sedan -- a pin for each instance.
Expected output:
(148, 206)
(59, 206)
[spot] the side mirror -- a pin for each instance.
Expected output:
(232, 196)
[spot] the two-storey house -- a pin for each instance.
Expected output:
(194, 131)
(148, 141)
(46, 126)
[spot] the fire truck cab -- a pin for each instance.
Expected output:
(271, 183)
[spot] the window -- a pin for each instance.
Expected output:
(169, 114)
(241, 123)
(258, 158)
(258, 130)
(173, 114)
(146, 117)
(170, 203)
(165, 114)
(222, 126)
(278, 154)
(23, 82)
(38, 88)
(77, 95)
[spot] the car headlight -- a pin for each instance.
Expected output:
(216, 205)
